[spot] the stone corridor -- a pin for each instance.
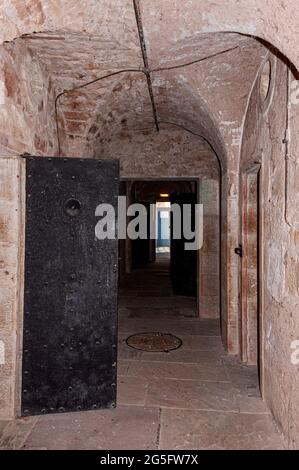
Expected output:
(195, 397)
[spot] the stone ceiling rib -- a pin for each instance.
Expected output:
(145, 60)
(84, 86)
(200, 136)
(196, 61)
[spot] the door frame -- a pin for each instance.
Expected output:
(253, 171)
(196, 179)
(158, 211)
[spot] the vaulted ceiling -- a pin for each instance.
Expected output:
(133, 70)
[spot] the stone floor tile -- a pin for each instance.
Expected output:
(200, 430)
(123, 428)
(195, 395)
(122, 367)
(186, 384)
(249, 403)
(152, 313)
(2, 426)
(132, 390)
(202, 343)
(175, 326)
(15, 433)
(241, 375)
(200, 372)
(126, 352)
(212, 358)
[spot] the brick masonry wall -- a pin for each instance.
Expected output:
(27, 121)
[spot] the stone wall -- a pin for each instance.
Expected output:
(27, 124)
(27, 117)
(176, 153)
(264, 142)
(11, 283)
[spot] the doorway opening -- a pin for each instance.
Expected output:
(156, 309)
(160, 245)
(163, 225)
(160, 289)
(250, 278)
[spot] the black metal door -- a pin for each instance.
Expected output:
(70, 304)
(141, 247)
(183, 263)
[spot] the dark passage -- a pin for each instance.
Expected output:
(152, 283)
(170, 197)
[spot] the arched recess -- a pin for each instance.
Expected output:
(117, 130)
(185, 93)
(175, 153)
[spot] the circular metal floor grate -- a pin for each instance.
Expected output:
(154, 342)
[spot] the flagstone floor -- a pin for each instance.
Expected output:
(195, 397)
